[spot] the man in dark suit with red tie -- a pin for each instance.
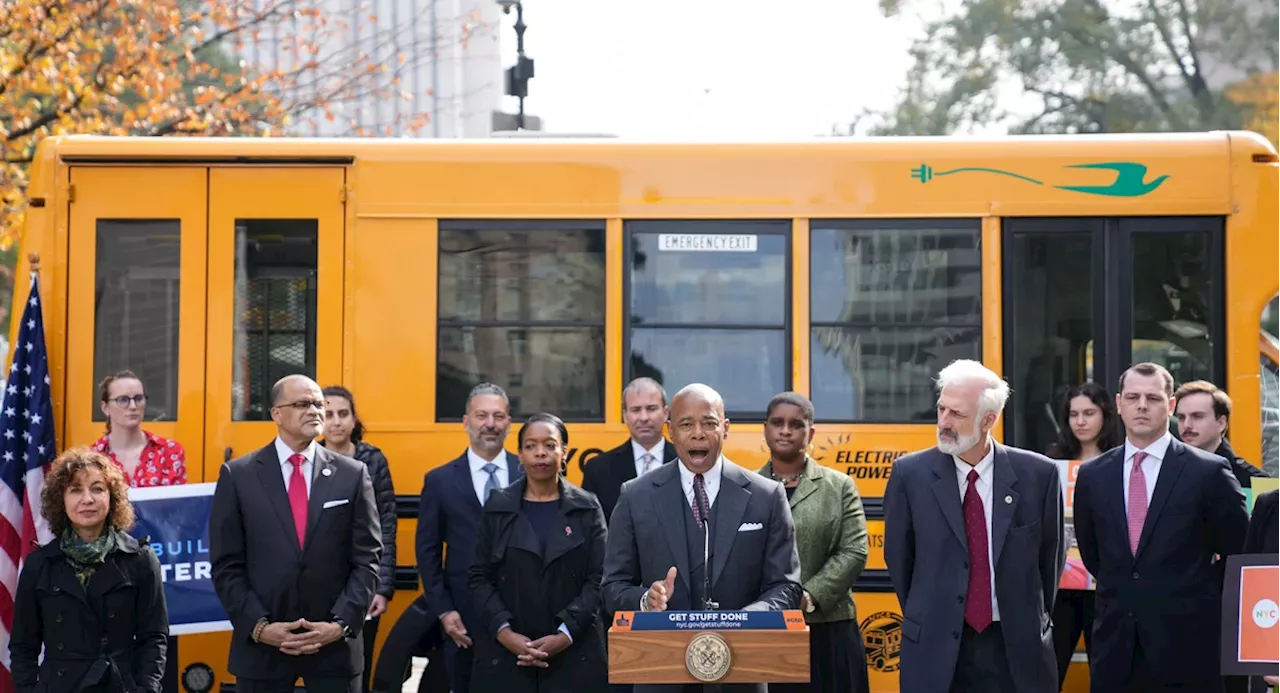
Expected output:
(974, 545)
(294, 540)
(644, 410)
(1155, 519)
(449, 512)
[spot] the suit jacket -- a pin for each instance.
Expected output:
(515, 580)
(751, 570)
(259, 571)
(1169, 597)
(449, 513)
(927, 553)
(605, 474)
(1262, 536)
(831, 538)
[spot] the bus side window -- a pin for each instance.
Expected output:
(1268, 370)
(892, 302)
(275, 309)
(522, 304)
(136, 309)
(709, 302)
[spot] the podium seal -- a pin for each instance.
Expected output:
(707, 657)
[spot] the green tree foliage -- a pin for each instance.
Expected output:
(1085, 66)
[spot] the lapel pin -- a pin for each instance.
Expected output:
(1007, 499)
(568, 532)
(327, 471)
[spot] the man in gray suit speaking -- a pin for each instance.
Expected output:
(974, 545)
(703, 534)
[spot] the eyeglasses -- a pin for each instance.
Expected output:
(303, 405)
(124, 401)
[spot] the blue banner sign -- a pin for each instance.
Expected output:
(175, 521)
(708, 620)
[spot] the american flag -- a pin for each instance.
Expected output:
(26, 449)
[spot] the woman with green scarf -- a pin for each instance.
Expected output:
(93, 597)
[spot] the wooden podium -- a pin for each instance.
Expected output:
(708, 647)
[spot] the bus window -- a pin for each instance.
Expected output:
(1269, 369)
(136, 316)
(893, 301)
(1173, 290)
(709, 302)
(1049, 296)
(275, 309)
(522, 304)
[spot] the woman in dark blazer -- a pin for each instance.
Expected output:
(344, 434)
(535, 580)
(92, 597)
(831, 538)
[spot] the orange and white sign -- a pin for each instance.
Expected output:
(1258, 637)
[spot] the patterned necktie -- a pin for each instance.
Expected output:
(1137, 501)
(701, 508)
(646, 462)
(298, 497)
(492, 484)
(977, 604)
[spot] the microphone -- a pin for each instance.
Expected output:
(707, 603)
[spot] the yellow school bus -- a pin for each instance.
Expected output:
(849, 270)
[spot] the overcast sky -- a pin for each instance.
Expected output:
(680, 69)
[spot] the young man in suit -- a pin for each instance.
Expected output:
(1155, 519)
(702, 513)
(644, 410)
(294, 540)
(453, 496)
(1203, 413)
(974, 546)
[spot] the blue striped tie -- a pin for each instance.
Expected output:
(492, 484)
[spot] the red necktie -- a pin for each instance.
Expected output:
(298, 497)
(977, 603)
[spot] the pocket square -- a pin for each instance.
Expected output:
(336, 503)
(750, 526)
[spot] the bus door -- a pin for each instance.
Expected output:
(275, 296)
(136, 298)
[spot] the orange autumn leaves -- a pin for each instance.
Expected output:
(1257, 95)
(186, 67)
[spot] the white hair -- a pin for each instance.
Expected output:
(995, 391)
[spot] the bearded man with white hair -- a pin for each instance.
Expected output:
(974, 544)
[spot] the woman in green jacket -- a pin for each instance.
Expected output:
(831, 536)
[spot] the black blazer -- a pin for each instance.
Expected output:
(259, 572)
(1264, 525)
(512, 580)
(1168, 599)
(926, 549)
(605, 474)
(119, 620)
(448, 513)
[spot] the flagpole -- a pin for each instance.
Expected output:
(33, 259)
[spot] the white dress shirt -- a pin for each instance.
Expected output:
(479, 477)
(286, 467)
(639, 452)
(986, 471)
(1150, 466)
(710, 480)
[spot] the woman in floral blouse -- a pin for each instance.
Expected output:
(145, 458)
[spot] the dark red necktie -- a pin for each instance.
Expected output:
(701, 508)
(977, 603)
(298, 497)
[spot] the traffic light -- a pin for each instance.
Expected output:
(518, 77)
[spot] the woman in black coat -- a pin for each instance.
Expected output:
(344, 434)
(92, 597)
(535, 580)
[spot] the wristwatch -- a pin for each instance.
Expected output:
(346, 630)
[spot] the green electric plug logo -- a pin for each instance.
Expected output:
(1130, 180)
